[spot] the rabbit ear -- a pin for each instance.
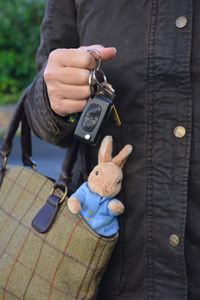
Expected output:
(121, 158)
(105, 151)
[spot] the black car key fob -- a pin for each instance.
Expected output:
(93, 118)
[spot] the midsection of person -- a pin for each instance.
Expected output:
(155, 75)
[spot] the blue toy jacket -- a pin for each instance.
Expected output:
(94, 209)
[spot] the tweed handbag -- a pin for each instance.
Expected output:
(63, 258)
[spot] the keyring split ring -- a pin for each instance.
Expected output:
(99, 76)
(96, 78)
(95, 53)
(91, 84)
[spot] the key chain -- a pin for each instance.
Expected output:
(99, 106)
(97, 75)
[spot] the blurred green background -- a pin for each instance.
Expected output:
(19, 39)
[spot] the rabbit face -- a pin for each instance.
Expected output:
(105, 179)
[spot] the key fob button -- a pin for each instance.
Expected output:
(91, 117)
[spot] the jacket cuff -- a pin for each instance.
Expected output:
(44, 122)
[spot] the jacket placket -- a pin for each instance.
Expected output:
(168, 140)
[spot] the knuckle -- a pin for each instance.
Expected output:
(63, 109)
(87, 60)
(82, 105)
(48, 75)
(70, 110)
(86, 92)
(81, 92)
(56, 54)
(53, 54)
(57, 51)
(81, 76)
(50, 89)
(55, 106)
(76, 107)
(85, 76)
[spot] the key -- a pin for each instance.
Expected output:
(107, 90)
(97, 110)
(96, 77)
(116, 116)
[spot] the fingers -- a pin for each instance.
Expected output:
(65, 107)
(67, 99)
(76, 58)
(106, 53)
(62, 91)
(68, 75)
(81, 58)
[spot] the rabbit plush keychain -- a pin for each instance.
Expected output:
(95, 199)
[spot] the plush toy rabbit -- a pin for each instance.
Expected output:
(94, 200)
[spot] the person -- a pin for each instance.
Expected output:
(151, 57)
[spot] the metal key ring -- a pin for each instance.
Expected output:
(91, 84)
(96, 78)
(99, 73)
(95, 53)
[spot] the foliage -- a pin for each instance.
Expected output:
(19, 39)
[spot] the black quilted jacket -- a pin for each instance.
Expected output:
(156, 74)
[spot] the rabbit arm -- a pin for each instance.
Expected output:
(77, 199)
(115, 207)
(74, 205)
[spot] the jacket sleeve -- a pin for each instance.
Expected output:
(58, 30)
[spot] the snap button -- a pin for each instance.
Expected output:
(179, 132)
(181, 22)
(90, 212)
(174, 240)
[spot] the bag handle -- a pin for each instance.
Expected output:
(45, 217)
(26, 145)
(12, 129)
(9, 135)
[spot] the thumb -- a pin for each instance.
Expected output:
(106, 53)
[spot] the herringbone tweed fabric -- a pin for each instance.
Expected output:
(66, 263)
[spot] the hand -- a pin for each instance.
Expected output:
(66, 76)
(116, 207)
